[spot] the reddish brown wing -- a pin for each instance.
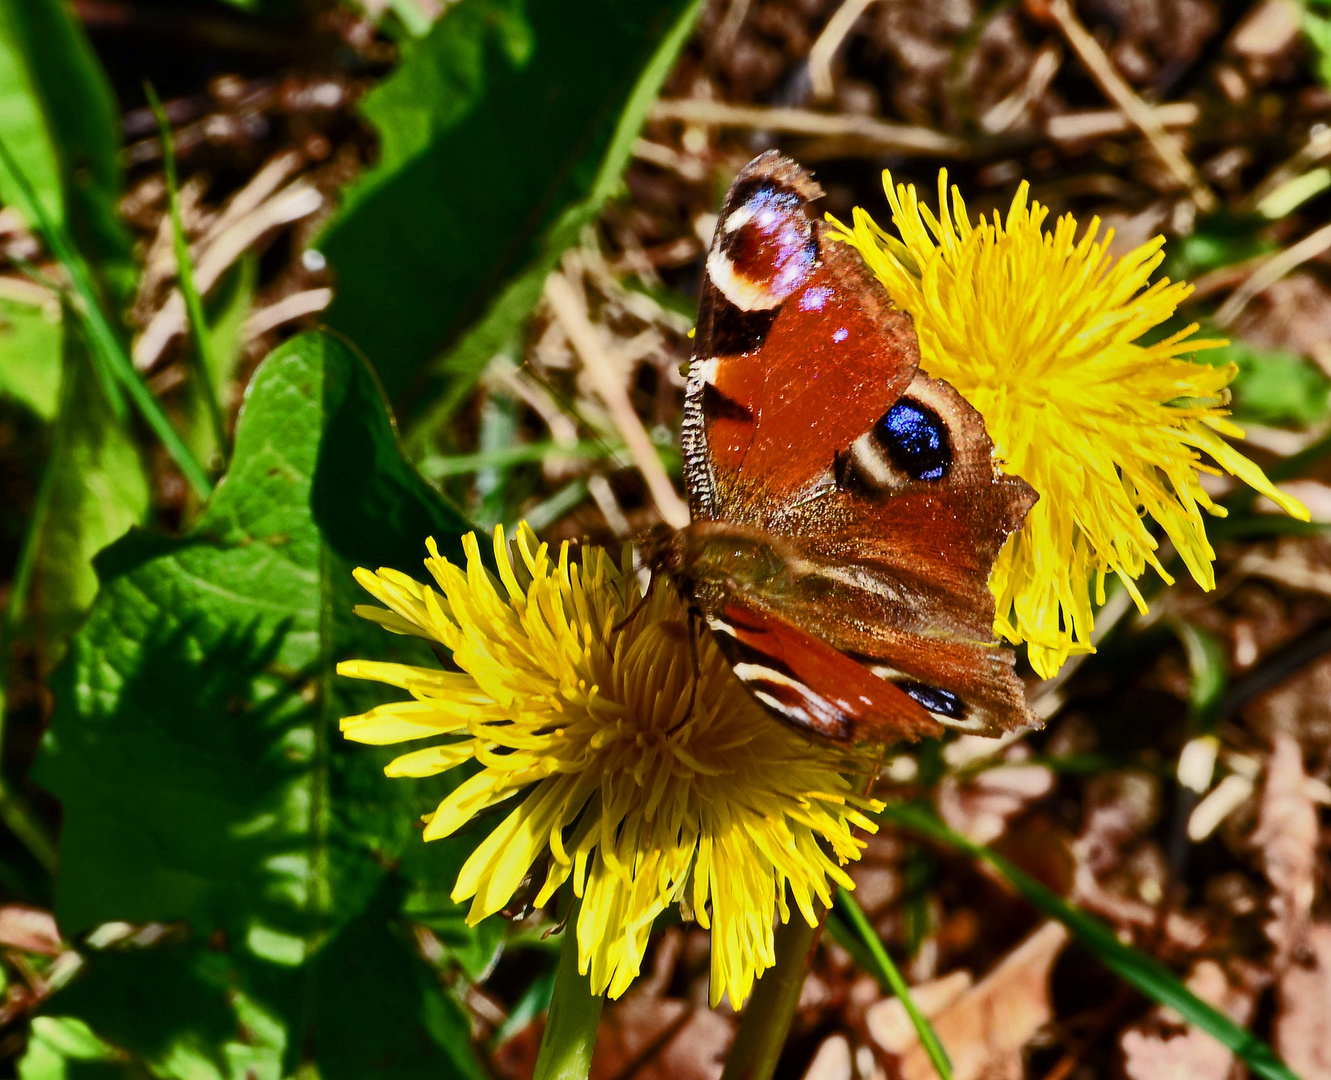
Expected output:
(847, 510)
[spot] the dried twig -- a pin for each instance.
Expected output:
(289, 308)
(1012, 108)
(600, 367)
(1100, 123)
(1314, 150)
(1121, 94)
(824, 50)
(297, 201)
(262, 186)
(1272, 271)
(24, 290)
(900, 138)
(736, 12)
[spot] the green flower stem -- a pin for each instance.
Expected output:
(889, 973)
(575, 1012)
(767, 1018)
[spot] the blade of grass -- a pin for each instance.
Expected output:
(205, 369)
(562, 502)
(1142, 971)
(439, 467)
(14, 810)
(106, 346)
(889, 973)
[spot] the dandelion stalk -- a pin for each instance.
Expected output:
(575, 1011)
(766, 1022)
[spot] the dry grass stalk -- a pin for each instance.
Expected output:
(1121, 94)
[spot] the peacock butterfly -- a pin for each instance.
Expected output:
(846, 509)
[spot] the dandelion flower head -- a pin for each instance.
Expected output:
(1040, 331)
(641, 789)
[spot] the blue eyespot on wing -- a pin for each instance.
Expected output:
(915, 440)
(936, 699)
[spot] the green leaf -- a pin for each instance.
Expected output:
(60, 121)
(500, 132)
(61, 125)
(1140, 970)
(500, 329)
(65, 1048)
(195, 747)
(1273, 386)
(112, 361)
(30, 347)
(1317, 29)
(1208, 669)
(96, 488)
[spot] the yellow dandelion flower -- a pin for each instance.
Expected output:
(643, 789)
(1041, 333)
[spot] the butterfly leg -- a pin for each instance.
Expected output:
(637, 609)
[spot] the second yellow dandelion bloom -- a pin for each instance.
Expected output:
(1041, 332)
(643, 788)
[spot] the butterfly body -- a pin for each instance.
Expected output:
(846, 508)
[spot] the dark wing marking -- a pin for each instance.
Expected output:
(805, 682)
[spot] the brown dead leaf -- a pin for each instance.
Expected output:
(888, 1023)
(1286, 837)
(29, 929)
(831, 1061)
(648, 1036)
(1303, 1016)
(1120, 806)
(1163, 1048)
(1296, 563)
(985, 1029)
(981, 806)
(1294, 313)
(695, 1052)
(640, 1022)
